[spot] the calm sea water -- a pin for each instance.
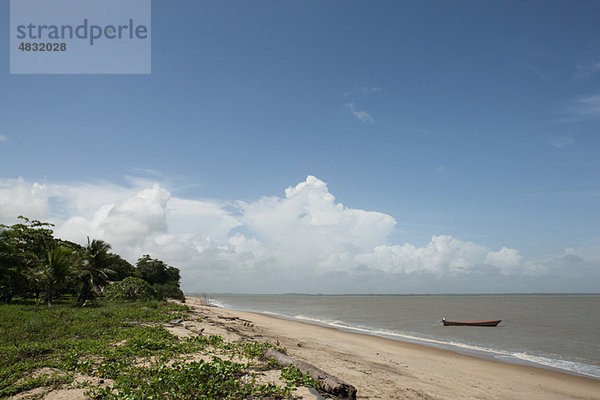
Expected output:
(553, 331)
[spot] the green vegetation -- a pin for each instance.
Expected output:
(35, 265)
(127, 353)
(130, 289)
(294, 377)
(117, 347)
(164, 279)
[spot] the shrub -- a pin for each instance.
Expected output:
(169, 290)
(130, 289)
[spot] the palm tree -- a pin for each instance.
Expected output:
(94, 268)
(55, 270)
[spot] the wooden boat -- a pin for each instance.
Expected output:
(493, 322)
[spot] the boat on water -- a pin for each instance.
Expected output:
(493, 322)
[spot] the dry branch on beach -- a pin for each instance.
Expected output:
(327, 382)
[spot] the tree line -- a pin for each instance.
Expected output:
(35, 264)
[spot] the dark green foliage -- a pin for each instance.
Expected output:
(163, 278)
(23, 248)
(31, 237)
(120, 269)
(130, 289)
(93, 268)
(54, 270)
(33, 264)
(169, 290)
(13, 280)
(152, 270)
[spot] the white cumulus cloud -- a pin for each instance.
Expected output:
(507, 260)
(443, 255)
(302, 240)
(18, 197)
(307, 225)
(124, 222)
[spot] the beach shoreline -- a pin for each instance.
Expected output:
(384, 368)
(471, 351)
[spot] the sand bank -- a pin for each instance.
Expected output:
(381, 368)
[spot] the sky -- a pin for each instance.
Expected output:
(328, 147)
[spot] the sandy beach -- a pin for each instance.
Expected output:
(380, 368)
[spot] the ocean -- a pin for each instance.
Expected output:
(560, 332)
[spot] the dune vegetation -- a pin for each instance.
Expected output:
(79, 318)
(121, 350)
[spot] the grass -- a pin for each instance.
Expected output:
(126, 345)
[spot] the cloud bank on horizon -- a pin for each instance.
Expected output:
(303, 241)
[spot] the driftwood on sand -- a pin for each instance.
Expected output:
(328, 383)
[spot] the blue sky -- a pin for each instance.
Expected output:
(474, 120)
